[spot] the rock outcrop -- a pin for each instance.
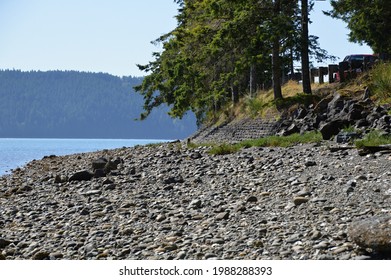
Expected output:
(329, 116)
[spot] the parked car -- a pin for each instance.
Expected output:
(355, 63)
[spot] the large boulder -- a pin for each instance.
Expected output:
(83, 175)
(99, 163)
(332, 128)
(373, 233)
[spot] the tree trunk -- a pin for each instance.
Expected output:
(276, 69)
(305, 61)
(252, 80)
(235, 94)
(276, 62)
(291, 66)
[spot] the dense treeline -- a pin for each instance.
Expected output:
(222, 50)
(75, 104)
(369, 22)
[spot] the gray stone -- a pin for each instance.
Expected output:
(309, 163)
(373, 233)
(84, 212)
(56, 255)
(99, 163)
(99, 173)
(346, 137)
(41, 255)
(332, 128)
(196, 203)
(60, 179)
(387, 193)
(83, 175)
(160, 218)
(315, 235)
(298, 200)
(252, 199)
(173, 180)
(222, 216)
(111, 166)
(210, 256)
(4, 243)
(181, 255)
(196, 155)
(92, 192)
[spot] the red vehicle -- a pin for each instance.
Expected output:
(353, 64)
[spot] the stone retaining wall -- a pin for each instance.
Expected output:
(236, 131)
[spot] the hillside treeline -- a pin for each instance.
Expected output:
(223, 50)
(71, 104)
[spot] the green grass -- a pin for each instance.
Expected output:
(374, 138)
(224, 149)
(271, 141)
(254, 106)
(350, 128)
(381, 81)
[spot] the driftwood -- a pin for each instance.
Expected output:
(385, 149)
(366, 150)
(340, 148)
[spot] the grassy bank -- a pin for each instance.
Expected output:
(271, 141)
(372, 139)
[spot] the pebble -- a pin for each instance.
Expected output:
(222, 216)
(172, 202)
(300, 200)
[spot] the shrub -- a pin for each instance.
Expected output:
(224, 149)
(374, 138)
(381, 81)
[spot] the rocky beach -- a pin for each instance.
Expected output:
(169, 201)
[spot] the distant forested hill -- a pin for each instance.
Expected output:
(71, 104)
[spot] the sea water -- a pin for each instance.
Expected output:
(16, 152)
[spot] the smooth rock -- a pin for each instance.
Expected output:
(41, 255)
(222, 216)
(252, 199)
(300, 200)
(99, 163)
(4, 243)
(373, 233)
(83, 175)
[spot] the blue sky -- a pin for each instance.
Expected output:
(110, 36)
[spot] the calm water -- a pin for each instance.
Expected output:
(17, 152)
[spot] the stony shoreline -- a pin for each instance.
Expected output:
(168, 201)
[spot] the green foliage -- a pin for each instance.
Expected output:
(216, 51)
(254, 106)
(284, 141)
(224, 149)
(349, 128)
(369, 22)
(270, 141)
(374, 138)
(381, 81)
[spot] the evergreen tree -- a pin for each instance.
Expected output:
(219, 51)
(369, 22)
